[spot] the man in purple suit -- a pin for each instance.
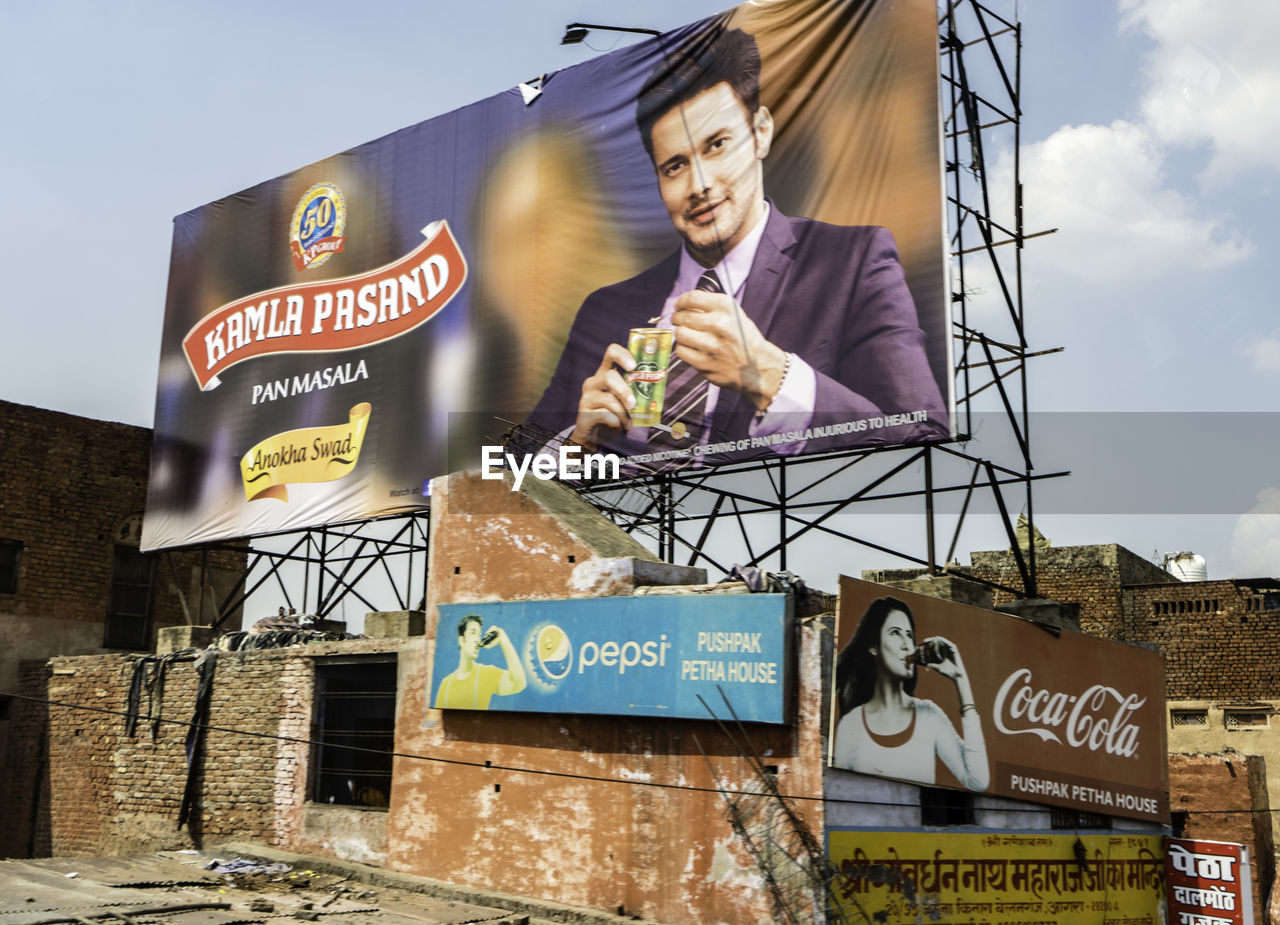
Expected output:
(791, 334)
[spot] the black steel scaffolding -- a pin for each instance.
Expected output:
(315, 571)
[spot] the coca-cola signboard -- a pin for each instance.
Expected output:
(949, 695)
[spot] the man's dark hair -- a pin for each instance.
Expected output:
(856, 666)
(469, 618)
(714, 56)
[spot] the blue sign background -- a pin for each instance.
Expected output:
(641, 656)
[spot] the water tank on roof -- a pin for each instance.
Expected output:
(1186, 566)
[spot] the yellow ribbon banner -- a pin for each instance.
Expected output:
(999, 878)
(309, 454)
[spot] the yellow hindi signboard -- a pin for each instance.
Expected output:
(1002, 879)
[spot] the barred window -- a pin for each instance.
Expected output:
(1068, 819)
(940, 807)
(355, 733)
(1199, 605)
(129, 612)
(1189, 717)
(1246, 719)
(10, 554)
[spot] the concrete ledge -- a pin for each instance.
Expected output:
(650, 572)
(944, 587)
(1053, 615)
(177, 638)
(619, 576)
(395, 624)
(540, 910)
(722, 587)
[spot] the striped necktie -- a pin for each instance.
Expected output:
(684, 408)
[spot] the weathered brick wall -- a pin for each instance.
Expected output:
(1215, 646)
(1218, 639)
(76, 479)
(69, 486)
(70, 482)
(114, 794)
(297, 694)
(24, 787)
(1091, 576)
(1225, 799)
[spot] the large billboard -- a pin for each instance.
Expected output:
(621, 656)
(948, 695)
(1000, 878)
(336, 337)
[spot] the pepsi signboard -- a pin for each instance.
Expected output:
(638, 656)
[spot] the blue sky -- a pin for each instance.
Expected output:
(1149, 140)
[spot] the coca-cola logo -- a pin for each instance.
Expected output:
(1099, 718)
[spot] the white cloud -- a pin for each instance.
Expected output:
(1104, 187)
(1263, 351)
(1124, 211)
(1212, 79)
(1255, 542)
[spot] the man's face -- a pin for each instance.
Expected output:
(469, 641)
(708, 153)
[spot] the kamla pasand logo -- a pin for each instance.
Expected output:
(316, 231)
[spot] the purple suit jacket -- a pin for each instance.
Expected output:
(833, 295)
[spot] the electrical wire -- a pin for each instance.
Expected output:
(515, 769)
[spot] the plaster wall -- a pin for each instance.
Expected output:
(1224, 798)
(612, 813)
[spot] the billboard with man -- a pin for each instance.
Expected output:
(721, 244)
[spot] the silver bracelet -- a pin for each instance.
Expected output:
(786, 368)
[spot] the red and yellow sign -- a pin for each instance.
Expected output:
(309, 454)
(338, 314)
(907, 877)
(1209, 883)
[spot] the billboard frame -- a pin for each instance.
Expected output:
(680, 513)
(980, 79)
(332, 570)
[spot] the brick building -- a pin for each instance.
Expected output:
(72, 579)
(97, 786)
(1221, 644)
(580, 827)
(1093, 577)
(604, 812)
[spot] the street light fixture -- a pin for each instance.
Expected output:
(576, 32)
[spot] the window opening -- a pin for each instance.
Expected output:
(10, 555)
(941, 807)
(355, 732)
(129, 611)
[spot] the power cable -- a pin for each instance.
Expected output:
(515, 769)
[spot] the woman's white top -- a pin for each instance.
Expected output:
(912, 754)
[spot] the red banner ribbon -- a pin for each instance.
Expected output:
(330, 315)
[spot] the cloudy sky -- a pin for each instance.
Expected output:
(1149, 142)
